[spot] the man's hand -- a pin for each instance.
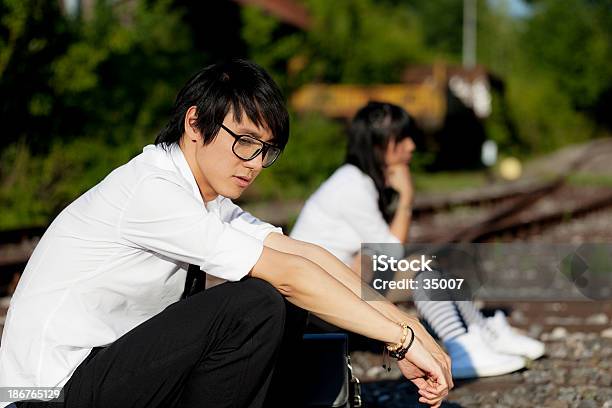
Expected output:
(432, 347)
(424, 371)
(419, 378)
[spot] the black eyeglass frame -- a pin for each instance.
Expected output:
(265, 146)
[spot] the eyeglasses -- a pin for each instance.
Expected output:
(247, 147)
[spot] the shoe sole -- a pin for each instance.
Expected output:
(524, 355)
(539, 355)
(487, 372)
(532, 358)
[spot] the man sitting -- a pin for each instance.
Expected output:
(98, 309)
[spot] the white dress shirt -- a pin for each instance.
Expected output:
(342, 214)
(116, 257)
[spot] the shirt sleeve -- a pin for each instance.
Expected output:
(362, 213)
(247, 223)
(165, 218)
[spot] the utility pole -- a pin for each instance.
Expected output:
(469, 33)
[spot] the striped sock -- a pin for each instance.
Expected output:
(442, 317)
(440, 314)
(470, 313)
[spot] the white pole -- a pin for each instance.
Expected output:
(469, 33)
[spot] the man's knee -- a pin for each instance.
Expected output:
(249, 306)
(251, 301)
(262, 312)
(265, 299)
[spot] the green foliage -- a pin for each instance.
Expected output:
(589, 179)
(544, 116)
(442, 26)
(124, 74)
(350, 47)
(268, 49)
(570, 40)
(555, 65)
(342, 45)
(500, 40)
(316, 148)
(32, 34)
(443, 182)
(82, 96)
(35, 188)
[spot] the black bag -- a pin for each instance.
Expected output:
(328, 378)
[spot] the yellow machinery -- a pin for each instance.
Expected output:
(425, 99)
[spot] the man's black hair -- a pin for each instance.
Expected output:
(369, 133)
(239, 85)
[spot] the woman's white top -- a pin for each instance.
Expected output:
(342, 214)
(116, 257)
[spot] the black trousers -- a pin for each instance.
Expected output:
(217, 348)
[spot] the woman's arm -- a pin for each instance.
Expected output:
(398, 178)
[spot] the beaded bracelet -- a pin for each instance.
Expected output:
(397, 346)
(398, 351)
(399, 354)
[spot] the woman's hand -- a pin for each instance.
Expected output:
(398, 178)
(397, 172)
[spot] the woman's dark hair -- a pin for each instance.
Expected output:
(239, 85)
(370, 131)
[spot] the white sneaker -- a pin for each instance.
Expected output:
(471, 357)
(504, 339)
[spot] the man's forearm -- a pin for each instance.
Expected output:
(353, 282)
(339, 271)
(309, 287)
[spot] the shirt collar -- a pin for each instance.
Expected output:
(178, 157)
(183, 167)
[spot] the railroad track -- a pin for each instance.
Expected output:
(517, 210)
(16, 246)
(529, 214)
(490, 196)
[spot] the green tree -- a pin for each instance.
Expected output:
(32, 34)
(442, 23)
(553, 67)
(89, 104)
(343, 45)
(571, 40)
(316, 148)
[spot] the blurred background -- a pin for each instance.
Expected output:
(84, 84)
(514, 96)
